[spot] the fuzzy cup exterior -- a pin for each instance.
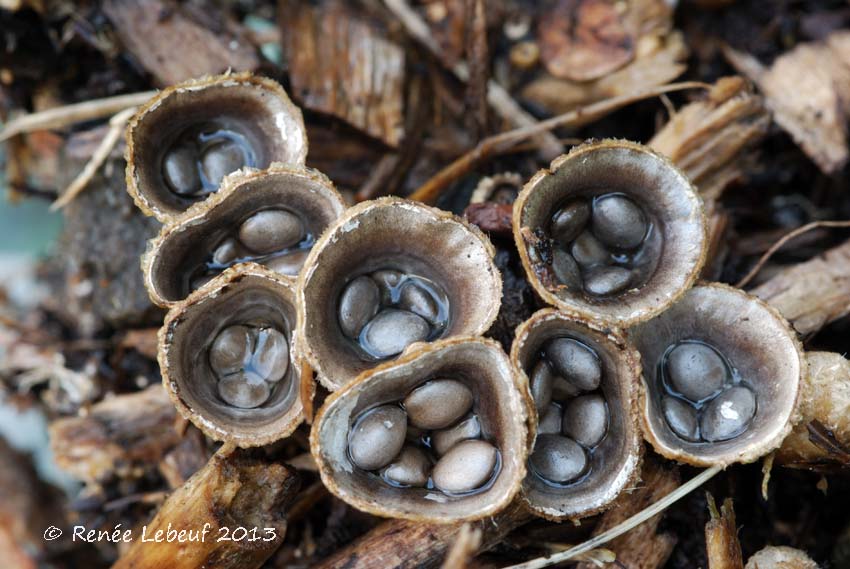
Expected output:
(653, 182)
(186, 241)
(780, 557)
(239, 295)
(256, 106)
(400, 234)
(756, 340)
(501, 402)
(615, 464)
(825, 397)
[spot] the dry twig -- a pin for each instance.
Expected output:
(67, 115)
(496, 144)
(497, 96)
(116, 130)
(627, 525)
(785, 239)
(231, 491)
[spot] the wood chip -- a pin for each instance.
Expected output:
(120, 437)
(172, 46)
(712, 140)
(345, 66)
(814, 293)
(721, 537)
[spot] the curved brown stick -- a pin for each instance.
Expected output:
(493, 145)
(785, 239)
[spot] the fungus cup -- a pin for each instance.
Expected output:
(475, 476)
(227, 360)
(763, 360)
(182, 142)
(211, 235)
(386, 274)
(610, 462)
(611, 231)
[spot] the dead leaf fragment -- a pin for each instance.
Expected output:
(582, 40)
(808, 91)
(658, 56)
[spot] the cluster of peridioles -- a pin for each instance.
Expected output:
(266, 271)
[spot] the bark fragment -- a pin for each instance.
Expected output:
(396, 544)
(120, 437)
(173, 47)
(813, 293)
(231, 491)
(721, 537)
(95, 275)
(345, 66)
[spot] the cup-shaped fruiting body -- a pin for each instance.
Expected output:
(722, 373)
(584, 379)
(611, 231)
(389, 273)
(780, 557)
(182, 142)
(439, 434)
(227, 360)
(825, 398)
(271, 216)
